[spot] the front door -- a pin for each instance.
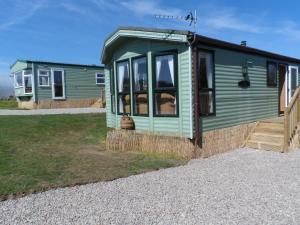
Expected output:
(58, 84)
(292, 82)
(282, 71)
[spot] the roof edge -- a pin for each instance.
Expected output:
(56, 63)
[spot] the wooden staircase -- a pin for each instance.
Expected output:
(267, 135)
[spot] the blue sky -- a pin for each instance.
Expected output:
(73, 30)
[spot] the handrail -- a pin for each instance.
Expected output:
(291, 119)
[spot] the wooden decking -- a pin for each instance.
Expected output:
(267, 135)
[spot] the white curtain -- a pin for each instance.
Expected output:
(136, 73)
(208, 60)
(121, 70)
(158, 67)
(171, 67)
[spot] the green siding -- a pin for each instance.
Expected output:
(80, 82)
(180, 126)
(235, 105)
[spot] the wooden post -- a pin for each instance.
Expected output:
(286, 130)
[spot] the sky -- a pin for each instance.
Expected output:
(74, 30)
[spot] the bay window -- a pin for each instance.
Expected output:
(19, 79)
(165, 85)
(123, 90)
(140, 86)
(206, 83)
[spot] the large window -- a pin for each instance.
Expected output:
(28, 81)
(165, 85)
(19, 79)
(112, 89)
(206, 83)
(100, 79)
(123, 82)
(271, 74)
(44, 78)
(140, 86)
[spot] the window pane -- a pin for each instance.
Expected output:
(206, 102)
(205, 70)
(28, 84)
(124, 104)
(123, 77)
(140, 74)
(44, 80)
(18, 79)
(112, 82)
(293, 80)
(272, 74)
(165, 104)
(44, 72)
(113, 104)
(27, 72)
(141, 104)
(100, 81)
(164, 71)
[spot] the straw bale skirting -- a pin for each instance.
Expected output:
(214, 142)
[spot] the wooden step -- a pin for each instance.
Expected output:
(267, 136)
(277, 139)
(269, 146)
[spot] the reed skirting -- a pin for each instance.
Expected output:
(214, 142)
(123, 140)
(72, 103)
(223, 140)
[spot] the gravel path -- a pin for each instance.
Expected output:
(240, 187)
(7, 112)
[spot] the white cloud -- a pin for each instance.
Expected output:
(23, 10)
(78, 9)
(290, 29)
(233, 23)
(146, 7)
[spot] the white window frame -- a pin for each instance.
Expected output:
(63, 83)
(27, 75)
(39, 75)
(15, 81)
(96, 74)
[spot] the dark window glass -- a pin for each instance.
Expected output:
(112, 90)
(100, 78)
(165, 88)
(140, 86)
(293, 80)
(206, 83)
(271, 74)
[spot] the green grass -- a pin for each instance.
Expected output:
(40, 152)
(8, 104)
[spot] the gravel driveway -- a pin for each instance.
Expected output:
(240, 187)
(7, 112)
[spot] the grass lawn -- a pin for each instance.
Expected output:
(8, 104)
(42, 152)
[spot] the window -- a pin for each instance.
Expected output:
(19, 79)
(140, 86)
(271, 74)
(28, 81)
(165, 85)
(206, 83)
(100, 78)
(44, 78)
(112, 90)
(123, 89)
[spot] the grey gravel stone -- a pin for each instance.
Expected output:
(7, 112)
(244, 186)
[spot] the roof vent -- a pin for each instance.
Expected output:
(244, 43)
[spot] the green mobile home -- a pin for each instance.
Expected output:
(40, 84)
(179, 83)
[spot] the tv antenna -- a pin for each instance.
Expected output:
(190, 18)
